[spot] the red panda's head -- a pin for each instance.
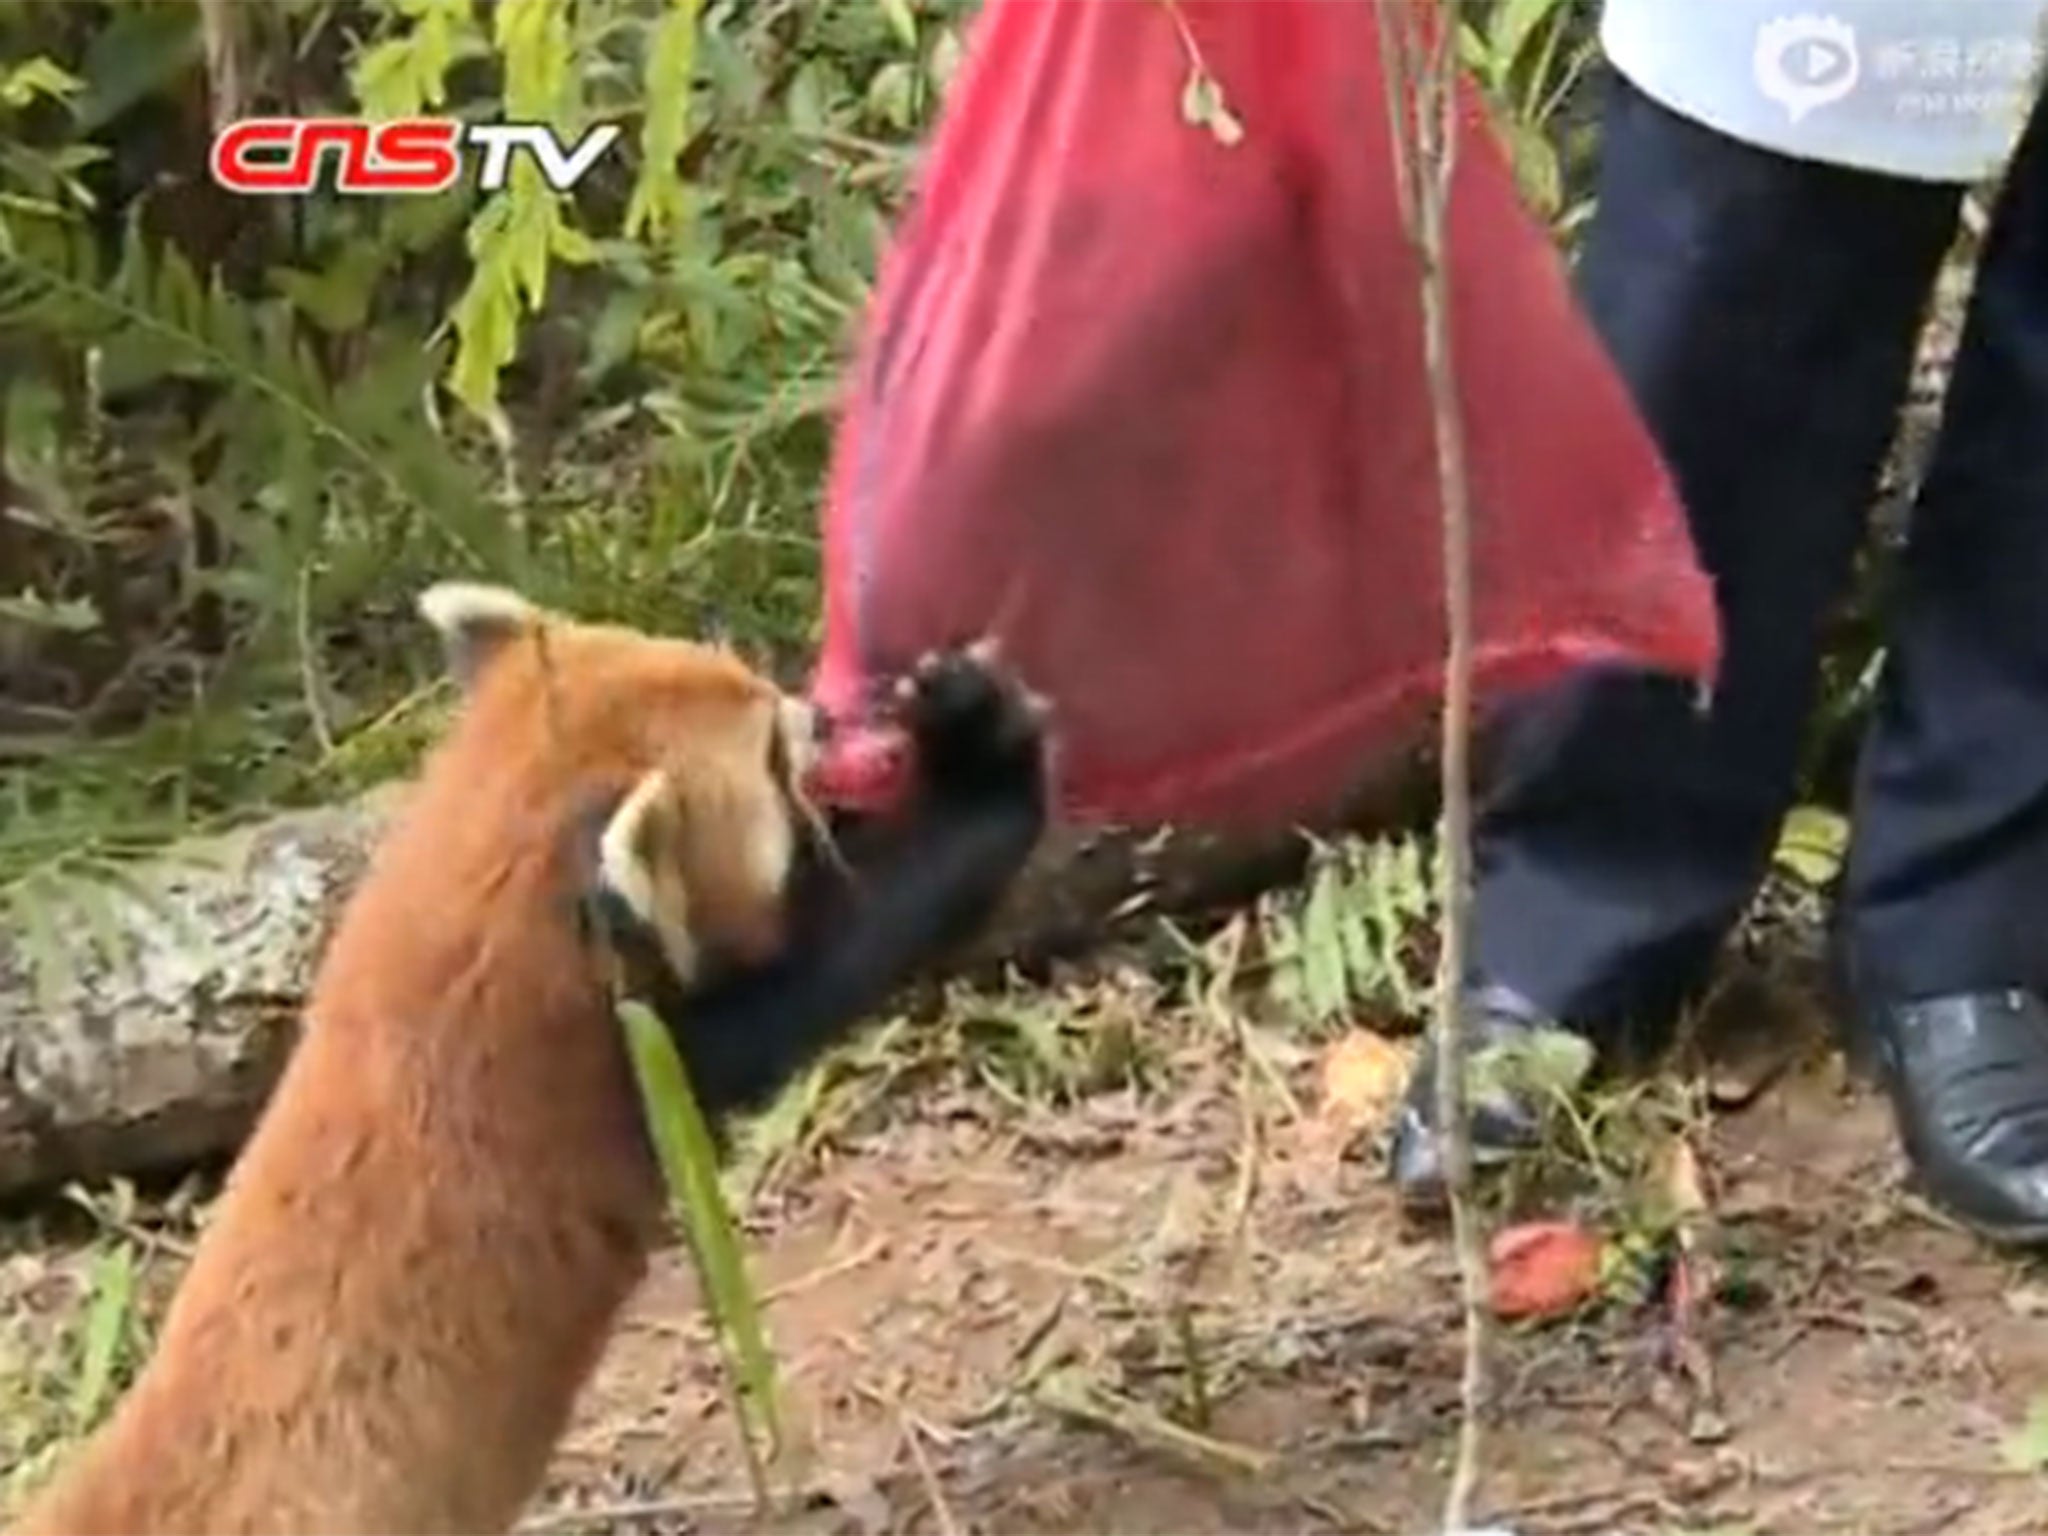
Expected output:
(702, 759)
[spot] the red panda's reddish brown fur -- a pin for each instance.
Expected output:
(421, 1250)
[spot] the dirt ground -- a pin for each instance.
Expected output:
(1184, 1303)
(992, 1321)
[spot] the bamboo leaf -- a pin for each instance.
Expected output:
(106, 1326)
(689, 1164)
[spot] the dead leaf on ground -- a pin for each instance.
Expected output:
(2027, 1300)
(1363, 1075)
(1684, 1186)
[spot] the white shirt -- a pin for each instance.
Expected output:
(1936, 90)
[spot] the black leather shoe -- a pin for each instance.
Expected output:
(1968, 1080)
(1502, 1124)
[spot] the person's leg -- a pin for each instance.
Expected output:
(1946, 901)
(1763, 312)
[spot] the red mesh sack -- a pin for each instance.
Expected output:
(1151, 408)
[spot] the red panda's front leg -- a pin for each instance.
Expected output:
(920, 883)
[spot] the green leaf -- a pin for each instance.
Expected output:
(901, 21)
(1539, 174)
(1474, 52)
(533, 40)
(516, 234)
(812, 93)
(39, 76)
(140, 51)
(75, 616)
(945, 60)
(1812, 845)
(689, 1165)
(659, 199)
(1542, 1064)
(1039, 1029)
(1515, 23)
(615, 333)
(1395, 884)
(337, 300)
(405, 75)
(1356, 931)
(892, 95)
(568, 243)
(1322, 948)
(106, 1326)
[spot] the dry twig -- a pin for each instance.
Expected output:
(1420, 62)
(1073, 1396)
(934, 1492)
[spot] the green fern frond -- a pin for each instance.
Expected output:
(407, 73)
(153, 318)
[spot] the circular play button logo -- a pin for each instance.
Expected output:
(1803, 62)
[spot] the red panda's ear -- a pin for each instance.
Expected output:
(475, 622)
(636, 863)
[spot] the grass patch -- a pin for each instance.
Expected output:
(82, 1288)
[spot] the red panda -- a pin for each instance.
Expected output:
(421, 1249)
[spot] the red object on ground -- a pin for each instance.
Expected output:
(1543, 1269)
(1151, 408)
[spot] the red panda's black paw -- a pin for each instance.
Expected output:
(978, 732)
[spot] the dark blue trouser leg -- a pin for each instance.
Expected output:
(1763, 312)
(1947, 887)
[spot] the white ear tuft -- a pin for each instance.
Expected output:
(475, 621)
(652, 891)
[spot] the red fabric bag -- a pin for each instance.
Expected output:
(1151, 408)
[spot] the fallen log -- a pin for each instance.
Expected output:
(155, 1051)
(155, 1054)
